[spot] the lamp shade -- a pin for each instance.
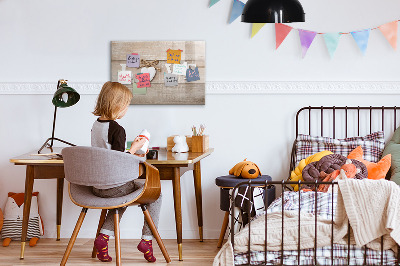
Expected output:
(273, 11)
(65, 96)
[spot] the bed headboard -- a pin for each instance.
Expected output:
(344, 121)
(347, 116)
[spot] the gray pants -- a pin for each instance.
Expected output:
(154, 208)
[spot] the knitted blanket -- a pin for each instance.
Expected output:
(373, 209)
(371, 206)
(274, 235)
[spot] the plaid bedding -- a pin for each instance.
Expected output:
(372, 145)
(306, 202)
(323, 207)
(340, 253)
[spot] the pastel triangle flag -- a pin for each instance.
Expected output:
(389, 30)
(281, 31)
(361, 37)
(332, 41)
(256, 28)
(213, 2)
(237, 9)
(306, 39)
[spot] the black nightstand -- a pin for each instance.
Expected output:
(226, 183)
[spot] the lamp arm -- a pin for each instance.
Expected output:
(54, 119)
(54, 126)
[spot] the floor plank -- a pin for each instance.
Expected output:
(49, 252)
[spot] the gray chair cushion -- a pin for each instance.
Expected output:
(84, 196)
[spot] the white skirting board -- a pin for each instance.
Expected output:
(230, 87)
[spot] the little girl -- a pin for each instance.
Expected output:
(112, 103)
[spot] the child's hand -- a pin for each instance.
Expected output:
(143, 155)
(137, 144)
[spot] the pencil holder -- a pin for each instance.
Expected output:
(200, 143)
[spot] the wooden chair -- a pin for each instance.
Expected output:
(85, 167)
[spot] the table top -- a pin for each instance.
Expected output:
(168, 157)
(230, 181)
(164, 157)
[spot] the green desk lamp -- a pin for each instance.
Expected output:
(65, 96)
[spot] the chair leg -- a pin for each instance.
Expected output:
(101, 222)
(154, 230)
(117, 238)
(223, 229)
(73, 237)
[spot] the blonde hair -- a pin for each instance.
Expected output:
(112, 99)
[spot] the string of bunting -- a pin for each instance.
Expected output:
(361, 37)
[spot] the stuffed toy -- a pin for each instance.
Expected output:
(245, 169)
(180, 144)
(375, 170)
(13, 215)
(296, 174)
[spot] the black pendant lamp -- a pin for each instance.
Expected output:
(273, 11)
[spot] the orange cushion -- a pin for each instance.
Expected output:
(375, 170)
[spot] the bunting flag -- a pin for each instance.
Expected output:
(237, 9)
(306, 39)
(256, 28)
(332, 41)
(213, 2)
(389, 30)
(361, 37)
(281, 31)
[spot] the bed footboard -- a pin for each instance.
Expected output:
(311, 259)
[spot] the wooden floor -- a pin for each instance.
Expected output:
(50, 252)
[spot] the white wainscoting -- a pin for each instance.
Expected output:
(232, 87)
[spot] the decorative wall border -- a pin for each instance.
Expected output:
(233, 87)
(304, 87)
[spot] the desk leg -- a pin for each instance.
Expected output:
(60, 190)
(176, 182)
(27, 206)
(223, 230)
(199, 204)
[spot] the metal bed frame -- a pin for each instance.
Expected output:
(283, 184)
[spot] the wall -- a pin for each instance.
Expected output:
(47, 40)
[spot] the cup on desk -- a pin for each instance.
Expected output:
(152, 155)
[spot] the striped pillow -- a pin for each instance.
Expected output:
(13, 228)
(372, 145)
